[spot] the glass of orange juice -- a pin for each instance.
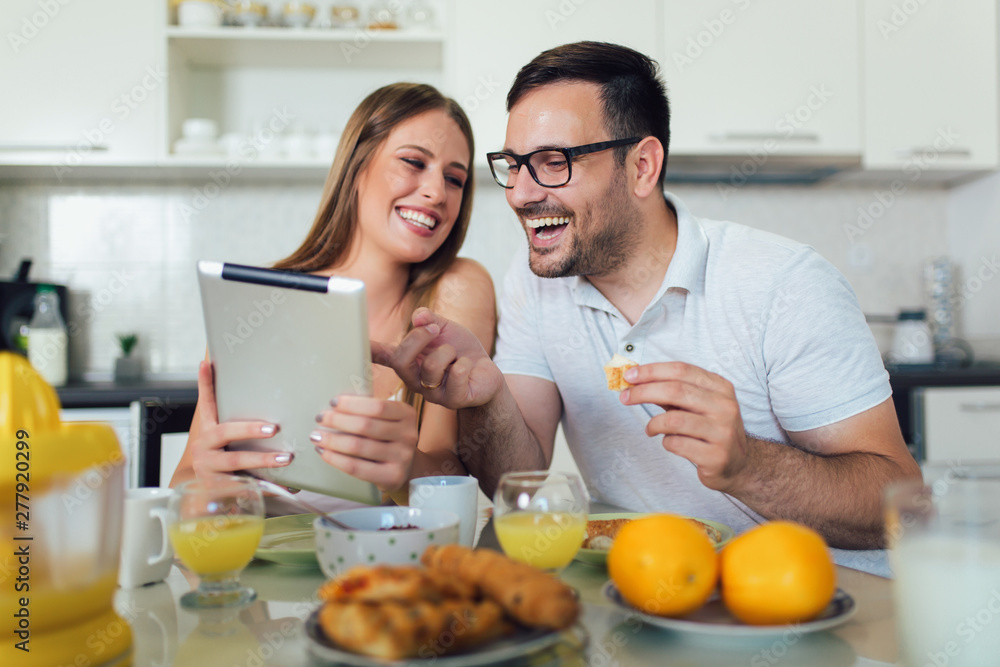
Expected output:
(215, 525)
(540, 517)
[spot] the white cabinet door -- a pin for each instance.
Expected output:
(778, 76)
(960, 423)
(81, 82)
(930, 90)
(490, 41)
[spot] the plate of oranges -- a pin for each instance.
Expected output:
(775, 576)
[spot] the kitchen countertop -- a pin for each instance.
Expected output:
(115, 395)
(978, 374)
(902, 378)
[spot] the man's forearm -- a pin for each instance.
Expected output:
(494, 439)
(839, 495)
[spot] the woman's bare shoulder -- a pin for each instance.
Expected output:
(465, 285)
(465, 294)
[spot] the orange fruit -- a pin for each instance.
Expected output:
(663, 565)
(780, 572)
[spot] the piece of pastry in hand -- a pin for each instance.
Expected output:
(615, 370)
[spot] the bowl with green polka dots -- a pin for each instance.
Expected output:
(383, 535)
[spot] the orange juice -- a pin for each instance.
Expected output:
(218, 544)
(547, 540)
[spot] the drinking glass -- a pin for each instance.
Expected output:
(540, 517)
(215, 526)
(944, 548)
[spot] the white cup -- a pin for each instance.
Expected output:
(454, 493)
(146, 552)
(199, 14)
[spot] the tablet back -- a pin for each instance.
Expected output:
(282, 345)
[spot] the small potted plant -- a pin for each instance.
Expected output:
(128, 368)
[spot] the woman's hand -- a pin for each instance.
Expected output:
(206, 445)
(369, 438)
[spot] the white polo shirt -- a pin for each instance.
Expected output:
(767, 313)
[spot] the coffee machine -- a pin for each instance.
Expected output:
(17, 304)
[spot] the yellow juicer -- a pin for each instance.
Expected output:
(62, 490)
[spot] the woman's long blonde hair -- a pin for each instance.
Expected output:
(334, 229)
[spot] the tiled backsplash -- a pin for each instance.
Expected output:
(127, 251)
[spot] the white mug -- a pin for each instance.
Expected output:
(146, 552)
(454, 493)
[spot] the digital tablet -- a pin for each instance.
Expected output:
(282, 345)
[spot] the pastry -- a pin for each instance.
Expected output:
(601, 532)
(531, 597)
(395, 629)
(386, 582)
(615, 371)
(461, 599)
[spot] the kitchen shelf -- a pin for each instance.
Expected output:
(290, 47)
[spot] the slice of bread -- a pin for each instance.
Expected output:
(615, 370)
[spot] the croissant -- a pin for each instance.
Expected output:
(385, 582)
(528, 595)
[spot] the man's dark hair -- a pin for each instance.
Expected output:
(633, 97)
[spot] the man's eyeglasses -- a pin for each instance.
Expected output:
(550, 167)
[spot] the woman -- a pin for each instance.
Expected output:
(394, 212)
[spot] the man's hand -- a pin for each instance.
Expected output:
(442, 360)
(702, 421)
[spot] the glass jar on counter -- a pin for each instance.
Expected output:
(48, 342)
(344, 15)
(383, 15)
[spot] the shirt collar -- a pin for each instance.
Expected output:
(686, 270)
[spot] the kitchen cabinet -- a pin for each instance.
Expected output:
(118, 419)
(930, 86)
(489, 42)
(150, 418)
(763, 79)
(956, 423)
(890, 87)
(909, 383)
(82, 83)
(264, 85)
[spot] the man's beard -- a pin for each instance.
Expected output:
(600, 245)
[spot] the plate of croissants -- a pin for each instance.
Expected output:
(463, 607)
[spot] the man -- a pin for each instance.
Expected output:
(760, 392)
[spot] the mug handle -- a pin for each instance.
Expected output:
(160, 514)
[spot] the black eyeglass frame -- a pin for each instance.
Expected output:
(569, 153)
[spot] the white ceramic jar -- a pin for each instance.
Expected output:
(913, 342)
(199, 14)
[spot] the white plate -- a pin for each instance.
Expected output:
(289, 540)
(715, 620)
(562, 644)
